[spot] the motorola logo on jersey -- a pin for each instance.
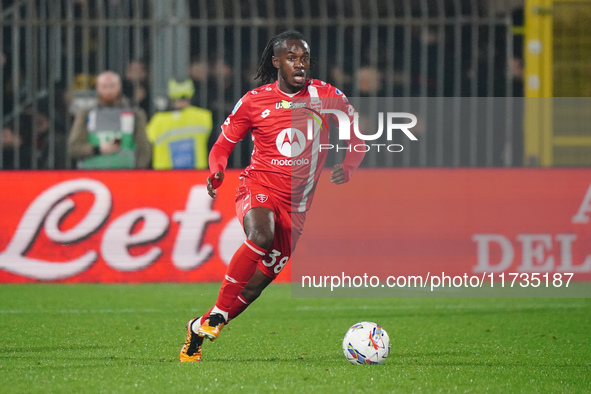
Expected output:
(291, 142)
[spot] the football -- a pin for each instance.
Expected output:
(366, 343)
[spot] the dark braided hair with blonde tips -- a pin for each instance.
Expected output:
(266, 71)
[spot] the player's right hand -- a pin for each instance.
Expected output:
(213, 182)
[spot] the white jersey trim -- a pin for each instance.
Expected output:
(314, 159)
(226, 137)
(288, 94)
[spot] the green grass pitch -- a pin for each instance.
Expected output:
(126, 338)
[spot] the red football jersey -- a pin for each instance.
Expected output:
(291, 138)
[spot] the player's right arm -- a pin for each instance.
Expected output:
(234, 130)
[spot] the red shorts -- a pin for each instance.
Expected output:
(288, 225)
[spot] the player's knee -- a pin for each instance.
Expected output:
(259, 225)
(261, 238)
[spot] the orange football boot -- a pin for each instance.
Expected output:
(191, 350)
(212, 326)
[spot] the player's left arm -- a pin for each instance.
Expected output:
(341, 173)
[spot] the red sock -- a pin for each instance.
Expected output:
(205, 316)
(240, 270)
(237, 308)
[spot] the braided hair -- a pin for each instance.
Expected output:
(266, 71)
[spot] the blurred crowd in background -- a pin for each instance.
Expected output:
(432, 48)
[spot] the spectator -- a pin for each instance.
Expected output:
(516, 74)
(198, 72)
(135, 86)
(220, 90)
(369, 80)
(221, 101)
(111, 134)
(11, 144)
(339, 77)
(25, 144)
(51, 150)
(7, 84)
(180, 136)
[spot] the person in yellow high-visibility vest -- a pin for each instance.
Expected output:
(179, 136)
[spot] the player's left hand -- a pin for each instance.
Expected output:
(337, 176)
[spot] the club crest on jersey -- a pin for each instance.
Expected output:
(261, 198)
